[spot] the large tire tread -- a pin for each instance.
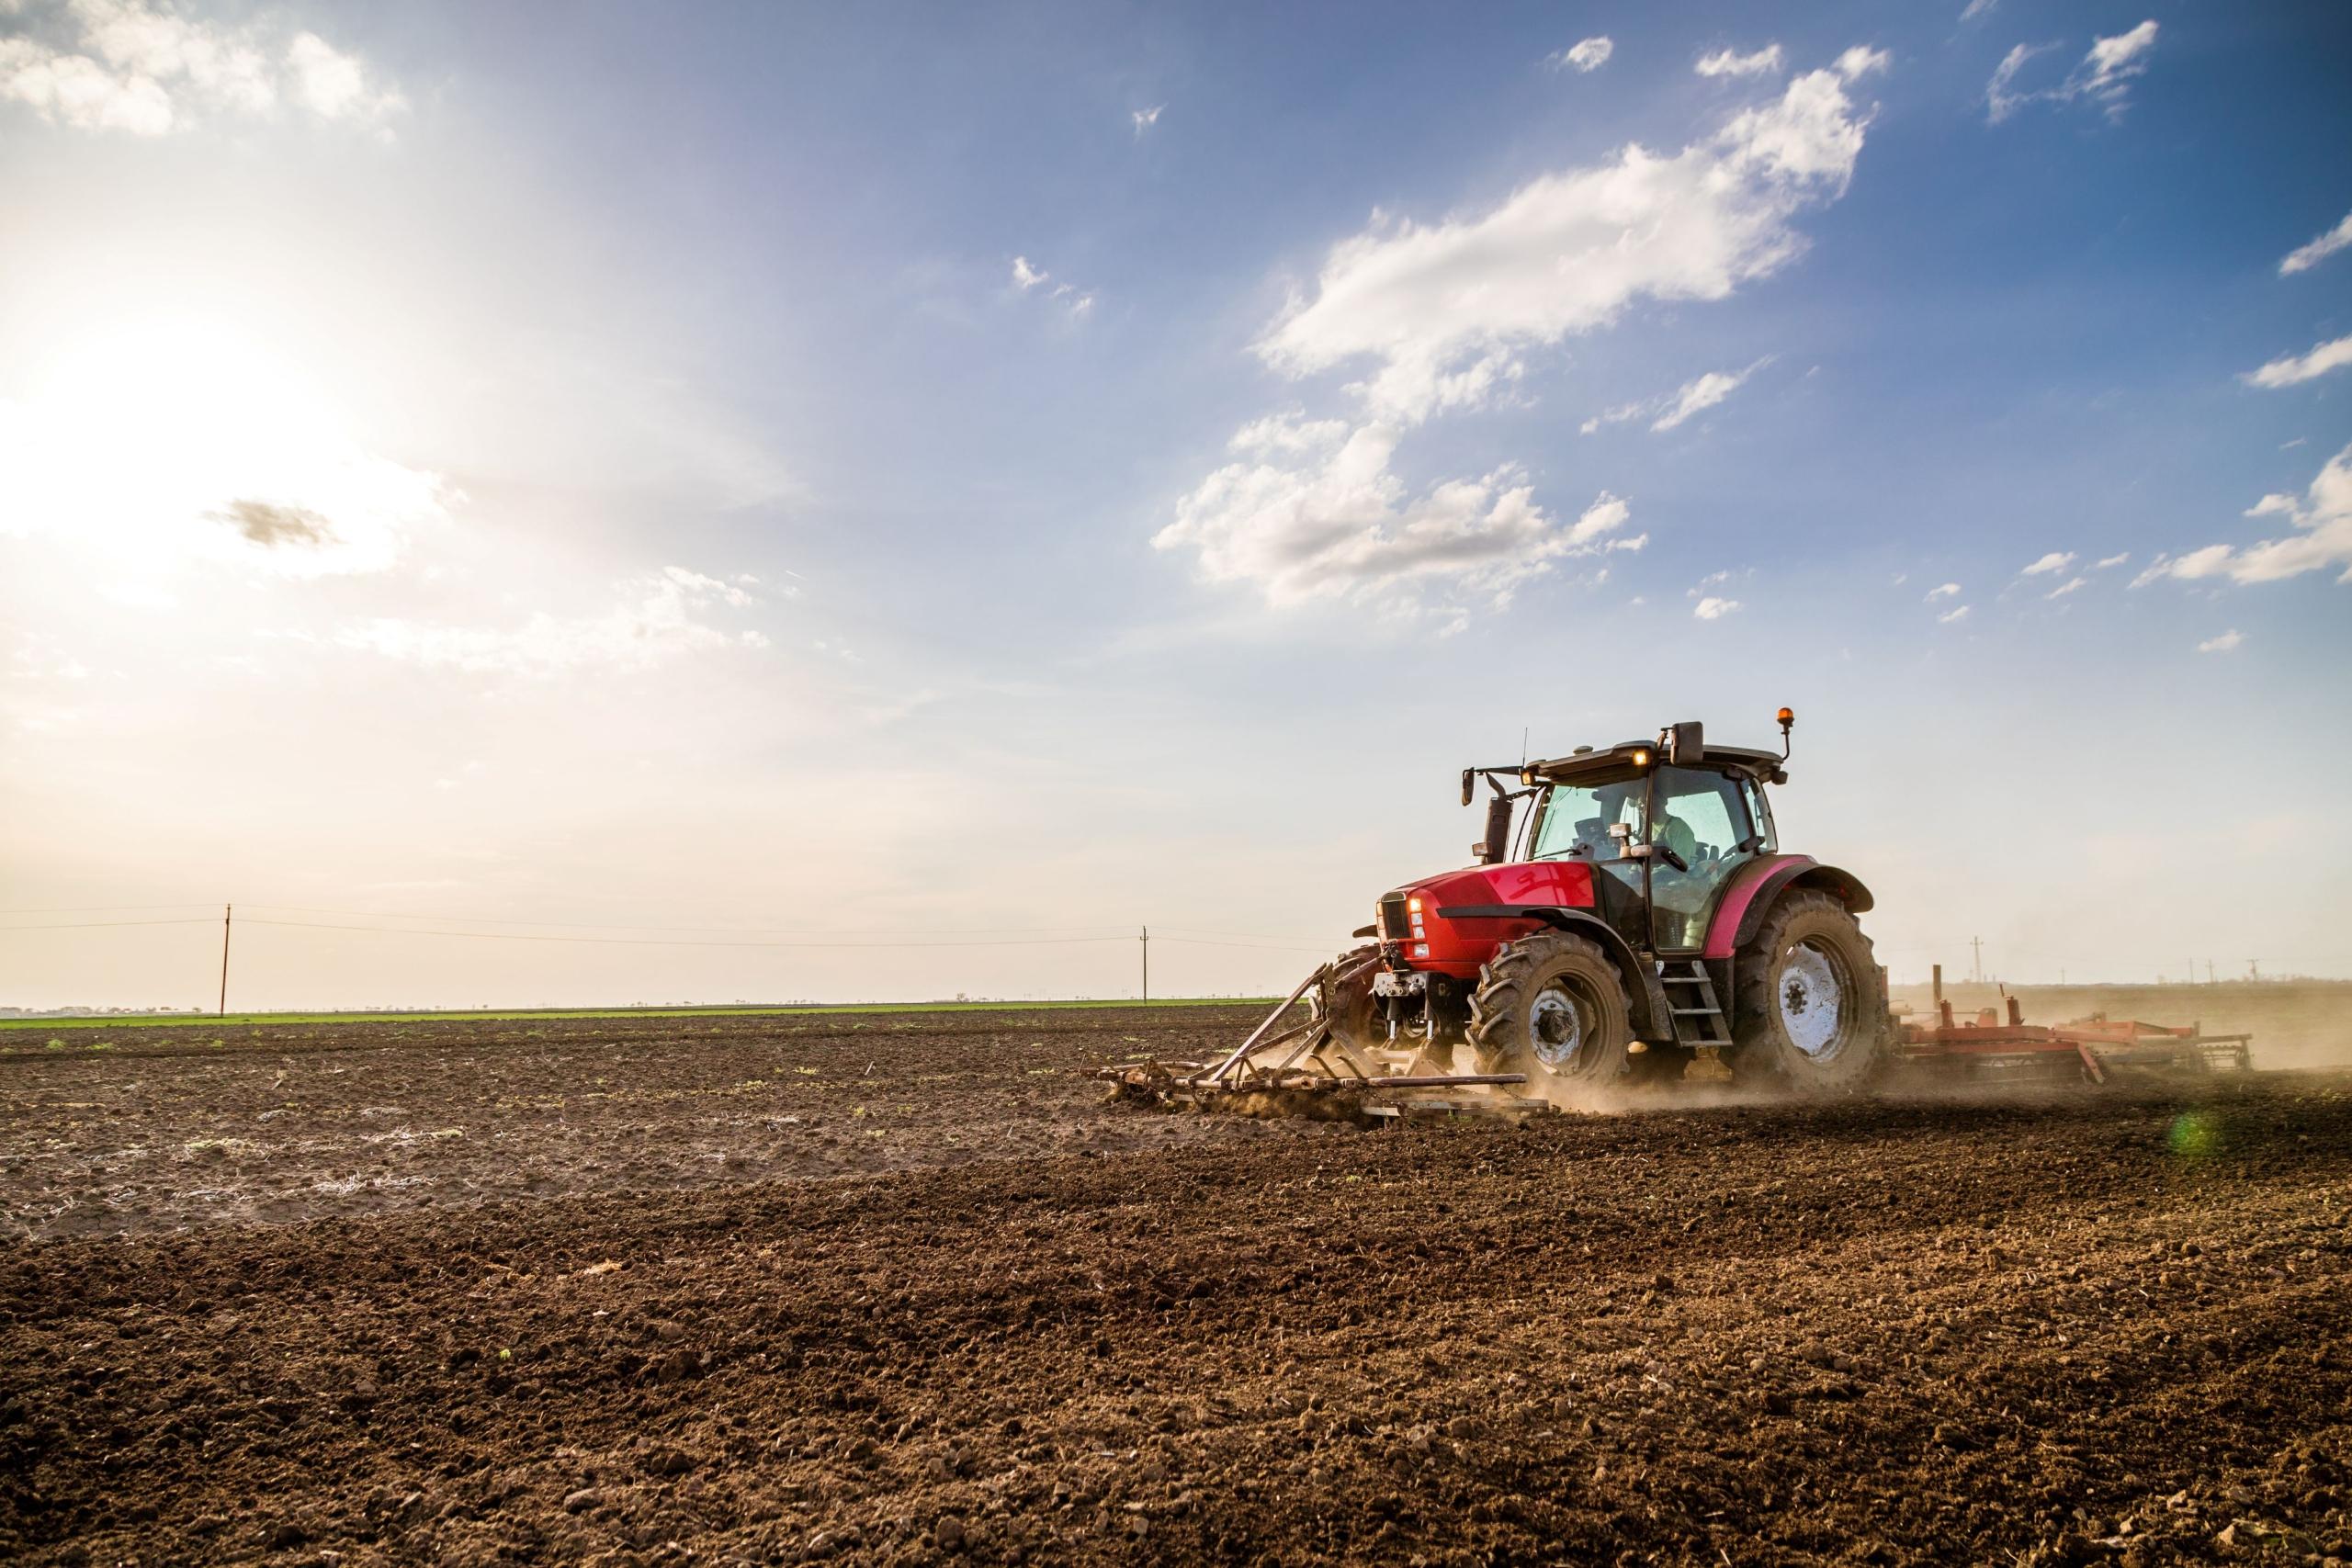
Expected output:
(1498, 1005)
(1762, 1054)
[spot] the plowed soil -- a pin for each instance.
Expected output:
(773, 1290)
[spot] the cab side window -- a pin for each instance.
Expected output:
(1698, 812)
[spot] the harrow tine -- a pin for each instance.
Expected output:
(1216, 1074)
(1317, 1032)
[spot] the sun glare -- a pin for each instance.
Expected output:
(182, 440)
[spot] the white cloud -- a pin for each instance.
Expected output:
(2103, 76)
(2322, 541)
(2069, 586)
(2291, 369)
(2302, 258)
(1145, 118)
(334, 85)
(1445, 310)
(2223, 643)
(1026, 277)
(2056, 560)
(1999, 101)
(1444, 313)
(1692, 397)
(661, 620)
(1859, 61)
(2104, 562)
(2113, 58)
(1950, 616)
(1589, 54)
(1311, 510)
(39, 658)
(1713, 609)
(1978, 8)
(133, 66)
(1705, 392)
(1765, 61)
(1943, 591)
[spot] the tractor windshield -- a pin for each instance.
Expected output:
(1577, 818)
(1701, 815)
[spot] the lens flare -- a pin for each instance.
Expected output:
(2194, 1134)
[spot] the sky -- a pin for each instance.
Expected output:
(745, 502)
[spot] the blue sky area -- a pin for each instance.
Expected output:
(892, 472)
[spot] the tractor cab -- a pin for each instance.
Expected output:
(1666, 834)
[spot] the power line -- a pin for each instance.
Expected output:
(661, 942)
(667, 941)
(630, 926)
(108, 925)
(103, 908)
(1254, 936)
(1087, 931)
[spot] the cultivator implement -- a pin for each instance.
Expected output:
(1999, 1042)
(1306, 1069)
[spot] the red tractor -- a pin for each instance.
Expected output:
(1639, 911)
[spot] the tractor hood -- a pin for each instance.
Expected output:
(1463, 914)
(1556, 881)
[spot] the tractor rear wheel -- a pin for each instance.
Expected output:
(1343, 998)
(1553, 1007)
(1810, 1013)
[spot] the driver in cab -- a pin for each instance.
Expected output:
(1678, 891)
(1673, 833)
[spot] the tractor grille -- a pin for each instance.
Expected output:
(1395, 924)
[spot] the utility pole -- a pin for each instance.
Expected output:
(2254, 968)
(1976, 945)
(1146, 962)
(227, 912)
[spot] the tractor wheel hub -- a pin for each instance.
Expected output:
(1554, 1028)
(1812, 1000)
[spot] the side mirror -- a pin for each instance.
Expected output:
(1686, 742)
(1469, 777)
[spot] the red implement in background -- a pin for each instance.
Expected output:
(1992, 1044)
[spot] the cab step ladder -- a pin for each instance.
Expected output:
(1691, 1004)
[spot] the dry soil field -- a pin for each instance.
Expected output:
(754, 1289)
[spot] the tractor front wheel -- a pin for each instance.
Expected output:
(1342, 997)
(1553, 1007)
(1811, 1009)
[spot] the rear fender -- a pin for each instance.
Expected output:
(1740, 914)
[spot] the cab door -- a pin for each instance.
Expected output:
(1703, 817)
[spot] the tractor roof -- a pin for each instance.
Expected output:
(1588, 761)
